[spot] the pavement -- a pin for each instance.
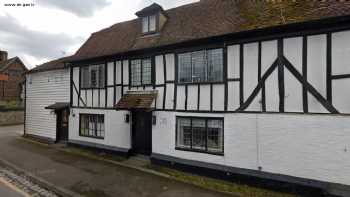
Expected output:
(8, 190)
(85, 176)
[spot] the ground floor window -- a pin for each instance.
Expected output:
(200, 134)
(92, 125)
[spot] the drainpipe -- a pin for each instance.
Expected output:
(25, 104)
(257, 142)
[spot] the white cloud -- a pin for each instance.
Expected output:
(40, 33)
(80, 8)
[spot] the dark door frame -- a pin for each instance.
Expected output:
(59, 123)
(133, 132)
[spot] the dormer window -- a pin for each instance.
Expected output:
(152, 19)
(149, 24)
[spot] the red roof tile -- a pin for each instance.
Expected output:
(51, 65)
(136, 100)
(208, 18)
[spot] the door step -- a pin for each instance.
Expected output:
(138, 160)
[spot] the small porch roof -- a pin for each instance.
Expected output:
(141, 100)
(58, 106)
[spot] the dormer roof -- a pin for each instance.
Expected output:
(152, 9)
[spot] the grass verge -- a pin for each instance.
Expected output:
(220, 185)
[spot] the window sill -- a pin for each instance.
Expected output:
(200, 83)
(199, 151)
(148, 33)
(141, 86)
(94, 137)
(92, 88)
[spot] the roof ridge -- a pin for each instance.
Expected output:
(135, 19)
(204, 19)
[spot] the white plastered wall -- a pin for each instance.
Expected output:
(117, 132)
(307, 146)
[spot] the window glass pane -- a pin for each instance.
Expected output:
(146, 71)
(92, 125)
(145, 24)
(215, 65)
(215, 135)
(184, 70)
(136, 72)
(94, 76)
(102, 126)
(199, 66)
(82, 125)
(152, 23)
(184, 133)
(85, 77)
(101, 76)
(198, 134)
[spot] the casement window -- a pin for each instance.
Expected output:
(93, 76)
(141, 72)
(201, 66)
(92, 125)
(149, 24)
(200, 134)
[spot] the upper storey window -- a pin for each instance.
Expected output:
(141, 72)
(201, 66)
(149, 24)
(93, 76)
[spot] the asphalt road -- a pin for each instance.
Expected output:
(89, 177)
(8, 191)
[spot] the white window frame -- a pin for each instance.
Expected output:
(149, 24)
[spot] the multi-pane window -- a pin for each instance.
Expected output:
(149, 24)
(92, 125)
(201, 66)
(141, 72)
(93, 76)
(200, 134)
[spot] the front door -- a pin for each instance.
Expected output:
(142, 132)
(62, 125)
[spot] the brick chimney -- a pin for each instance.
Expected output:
(3, 56)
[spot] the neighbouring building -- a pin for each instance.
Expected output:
(47, 99)
(222, 87)
(11, 76)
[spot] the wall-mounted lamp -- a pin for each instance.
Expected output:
(72, 112)
(127, 118)
(154, 120)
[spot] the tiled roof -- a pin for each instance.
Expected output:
(136, 100)
(58, 106)
(208, 18)
(51, 65)
(4, 64)
(152, 8)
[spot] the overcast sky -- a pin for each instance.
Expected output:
(49, 29)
